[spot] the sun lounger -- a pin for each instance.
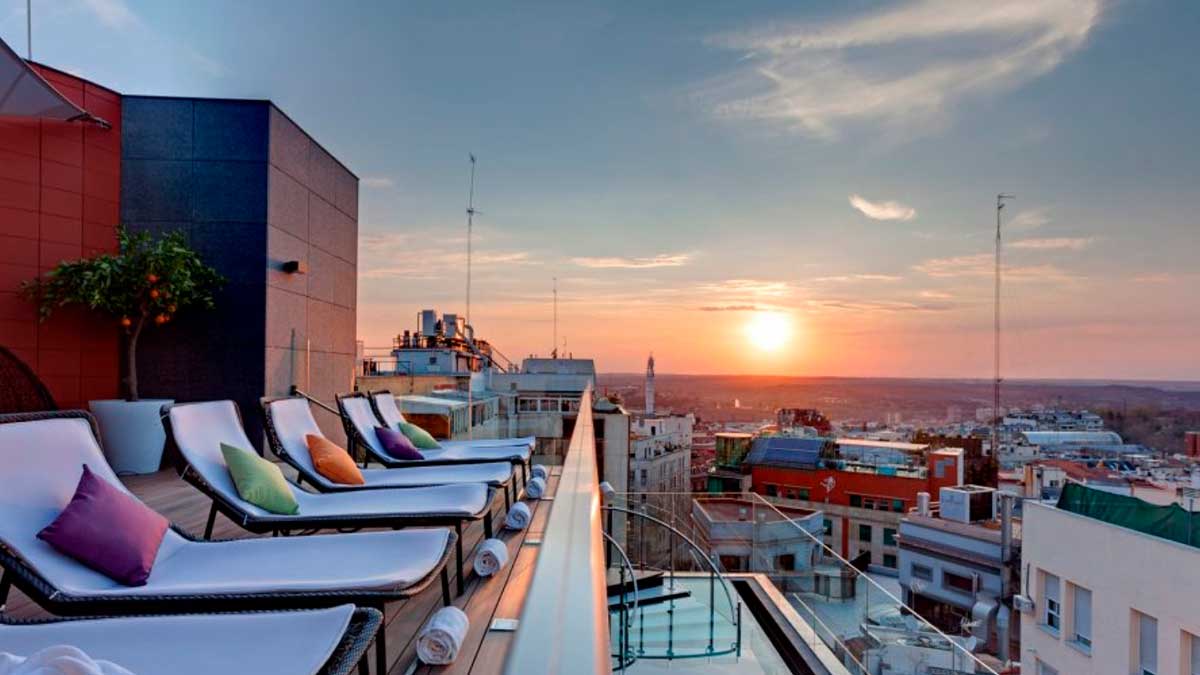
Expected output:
(290, 419)
(359, 421)
(322, 641)
(383, 403)
(42, 456)
(199, 429)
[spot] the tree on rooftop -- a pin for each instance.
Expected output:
(146, 284)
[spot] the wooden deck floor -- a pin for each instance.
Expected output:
(484, 600)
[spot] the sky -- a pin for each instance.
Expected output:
(757, 187)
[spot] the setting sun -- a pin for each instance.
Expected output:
(769, 330)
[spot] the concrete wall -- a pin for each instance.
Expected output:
(312, 215)
(59, 195)
(1126, 571)
(251, 190)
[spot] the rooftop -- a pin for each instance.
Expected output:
(485, 599)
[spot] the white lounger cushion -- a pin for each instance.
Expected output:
(289, 643)
(40, 465)
(292, 420)
(386, 403)
(200, 428)
(358, 409)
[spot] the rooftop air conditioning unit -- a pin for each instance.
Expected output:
(967, 503)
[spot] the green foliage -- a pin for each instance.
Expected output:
(147, 283)
(150, 279)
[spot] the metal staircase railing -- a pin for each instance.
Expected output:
(624, 655)
(702, 562)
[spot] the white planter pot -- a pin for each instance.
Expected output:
(132, 433)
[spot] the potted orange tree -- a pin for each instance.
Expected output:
(143, 286)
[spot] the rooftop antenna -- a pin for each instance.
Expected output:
(554, 352)
(29, 29)
(470, 327)
(1000, 199)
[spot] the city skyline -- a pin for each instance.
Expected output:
(826, 175)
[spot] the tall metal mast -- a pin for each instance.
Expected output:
(29, 29)
(470, 226)
(470, 327)
(554, 350)
(1000, 198)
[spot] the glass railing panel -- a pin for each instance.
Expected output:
(856, 616)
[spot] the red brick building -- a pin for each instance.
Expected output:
(863, 502)
(60, 199)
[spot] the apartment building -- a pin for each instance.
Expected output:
(661, 453)
(1110, 586)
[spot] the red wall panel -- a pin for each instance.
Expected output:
(59, 199)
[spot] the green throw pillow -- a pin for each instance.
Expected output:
(259, 481)
(419, 436)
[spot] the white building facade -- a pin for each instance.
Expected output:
(1106, 599)
(661, 449)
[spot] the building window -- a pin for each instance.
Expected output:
(772, 491)
(828, 527)
(898, 505)
(856, 500)
(1081, 616)
(786, 562)
(1044, 669)
(1147, 646)
(922, 572)
(868, 503)
(958, 582)
(803, 494)
(864, 533)
(1052, 612)
(889, 560)
(889, 536)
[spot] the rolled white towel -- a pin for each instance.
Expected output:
(540, 471)
(536, 488)
(442, 636)
(490, 557)
(606, 491)
(518, 517)
(57, 660)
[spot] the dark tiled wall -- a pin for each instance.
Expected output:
(200, 166)
(252, 191)
(58, 200)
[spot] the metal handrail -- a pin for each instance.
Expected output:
(564, 622)
(623, 640)
(714, 574)
(295, 391)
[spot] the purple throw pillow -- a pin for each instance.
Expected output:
(397, 445)
(108, 530)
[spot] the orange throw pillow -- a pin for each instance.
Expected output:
(333, 462)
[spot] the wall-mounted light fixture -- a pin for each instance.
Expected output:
(295, 267)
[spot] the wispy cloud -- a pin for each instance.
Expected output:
(377, 182)
(1154, 278)
(851, 278)
(748, 288)
(428, 255)
(1053, 243)
(1030, 219)
(900, 66)
(730, 308)
(886, 210)
(983, 265)
(660, 260)
(113, 13)
(935, 295)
